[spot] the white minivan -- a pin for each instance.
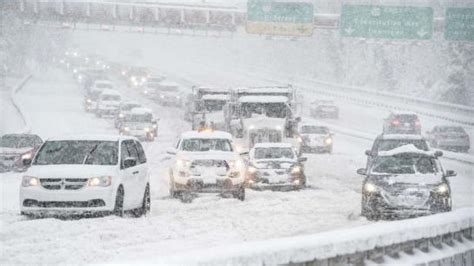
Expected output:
(87, 175)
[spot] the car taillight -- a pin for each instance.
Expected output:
(396, 122)
(417, 123)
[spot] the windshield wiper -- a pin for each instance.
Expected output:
(90, 153)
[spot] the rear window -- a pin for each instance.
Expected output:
(390, 144)
(452, 130)
(108, 97)
(406, 118)
(314, 130)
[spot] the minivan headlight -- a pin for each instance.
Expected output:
(442, 189)
(30, 181)
(183, 163)
(296, 169)
(100, 181)
(370, 188)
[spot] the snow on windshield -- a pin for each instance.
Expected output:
(405, 164)
(203, 145)
(273, 153)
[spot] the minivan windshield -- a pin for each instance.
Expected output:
(78, 152)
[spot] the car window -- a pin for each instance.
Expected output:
(128, 150)
(141, 153)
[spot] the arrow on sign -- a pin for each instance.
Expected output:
(349, 30)
(421, 33)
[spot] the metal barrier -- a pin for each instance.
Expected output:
(442, 239)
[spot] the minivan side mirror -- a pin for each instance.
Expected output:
(450, 173)
(129, 162)
(362, 171)
(26, 161)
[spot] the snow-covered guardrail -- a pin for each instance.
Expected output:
(13, 93)
(437, 239)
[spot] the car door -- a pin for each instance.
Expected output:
(143, 168)
(130, 174)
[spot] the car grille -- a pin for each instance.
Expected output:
(63, 183)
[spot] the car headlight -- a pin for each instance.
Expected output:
(145, 92)
(133, 78)
(162, 96)
(252, 170)
(370, 188)
(30, 181)
(328, 141)
(442, 189)
(27, 156)
(155, 126)
(251, 127)
(89, 101)
(278, 127)
(126, 129)
(143, 79)
(100, 181)
(237, 164)
(74, 71)
(121, 115)
(146, 129)
(183, 163)
(300, 139)
(296, 169)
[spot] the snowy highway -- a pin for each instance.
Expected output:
(332, 201)
(52, 103)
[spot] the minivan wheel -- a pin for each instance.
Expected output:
(118, 209)
(146, 204)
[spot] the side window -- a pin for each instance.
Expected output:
(123, 153)
(141, 153)
(132, 149)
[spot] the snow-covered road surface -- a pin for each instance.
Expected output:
(53, 105)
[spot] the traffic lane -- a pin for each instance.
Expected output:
(53, 106)
(11, 120)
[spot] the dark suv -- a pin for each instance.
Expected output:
(402, 123)
(405, 182)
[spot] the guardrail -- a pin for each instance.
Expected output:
(441, 239)
(15, 103)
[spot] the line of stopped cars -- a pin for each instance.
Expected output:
(241, 138)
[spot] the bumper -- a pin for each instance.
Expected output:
(39, 201)
(316, 148)
(446, 144)
(290, 182)
(198, 185)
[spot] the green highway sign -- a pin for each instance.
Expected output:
(387, 22)
(459, 24)
(279, 17)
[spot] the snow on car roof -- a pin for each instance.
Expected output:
(110, 92)
(402, 136)
(90, 137)
(221, 97)
(263, 99)
(409, 148)
(141, 111)
(206, 135)
(273, 145)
